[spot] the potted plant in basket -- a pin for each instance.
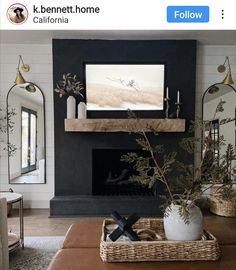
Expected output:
(184, 183)
(70, 87)
(223, 194)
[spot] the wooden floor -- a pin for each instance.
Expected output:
(38, 223)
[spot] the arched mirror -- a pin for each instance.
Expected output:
(211, 98)
(26, 134)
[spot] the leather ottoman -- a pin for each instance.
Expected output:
(83, 234)
(80, 251)
(89, 259)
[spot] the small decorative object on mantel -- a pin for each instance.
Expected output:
(71, 105)
(69, 86)
(178, 103)
(124, 227)
(167, 100)
(82, 110)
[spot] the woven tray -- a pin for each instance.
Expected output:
(164, 250)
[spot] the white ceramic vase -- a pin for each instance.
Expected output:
(71, 107)
(82, 110)
(177, 229)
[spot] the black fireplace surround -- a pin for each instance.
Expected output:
(82, 189)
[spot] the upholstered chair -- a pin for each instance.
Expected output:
(4, 255)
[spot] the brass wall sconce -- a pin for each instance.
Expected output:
(20, 79)
(222, 68)
(25, 68)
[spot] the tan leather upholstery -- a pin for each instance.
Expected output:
(83, 234)
(4, 255)
(89, 259)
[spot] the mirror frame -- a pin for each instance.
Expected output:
(206, 91)
(44, 137)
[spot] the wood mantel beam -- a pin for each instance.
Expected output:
(124, 125)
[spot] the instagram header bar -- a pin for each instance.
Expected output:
(118, 15)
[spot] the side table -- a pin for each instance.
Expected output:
(13, 240)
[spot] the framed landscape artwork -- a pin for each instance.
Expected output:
(119, 87)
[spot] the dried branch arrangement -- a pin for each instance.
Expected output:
(184, 183)
(69, 85)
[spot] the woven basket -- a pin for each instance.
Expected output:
(164, 250)
(223, 208)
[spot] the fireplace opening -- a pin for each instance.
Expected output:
(110, 175)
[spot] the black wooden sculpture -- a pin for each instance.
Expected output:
(124, 227)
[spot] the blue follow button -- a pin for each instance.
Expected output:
(187, 14)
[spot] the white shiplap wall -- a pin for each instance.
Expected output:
(208, 59)
(39, 57)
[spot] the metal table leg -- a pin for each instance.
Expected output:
(21, 223)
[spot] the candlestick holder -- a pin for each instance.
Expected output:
(167, 100)
(177, 108)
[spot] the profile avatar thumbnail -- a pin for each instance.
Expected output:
(17, 14)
